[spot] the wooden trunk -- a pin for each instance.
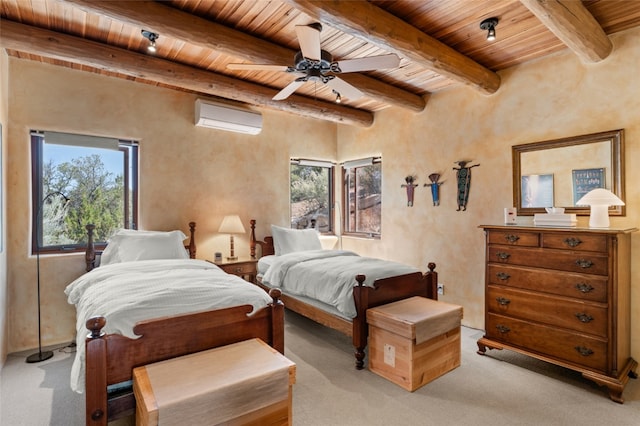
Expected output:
(414, 341)
(245, 383)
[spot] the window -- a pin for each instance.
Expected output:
(363, 197)
(78, 180)
(311, 194)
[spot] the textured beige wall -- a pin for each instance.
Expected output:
(186, 173)
(197, 174)
(547, 99)
(4, 81)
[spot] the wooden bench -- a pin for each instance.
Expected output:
(245, 383)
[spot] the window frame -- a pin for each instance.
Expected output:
(303, 162)
(347, 167)
(130, 148)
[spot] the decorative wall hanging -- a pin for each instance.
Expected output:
(435, 188)
(463, 176)
(410, 186)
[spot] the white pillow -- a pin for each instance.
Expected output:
(286, 240)
(128, 245)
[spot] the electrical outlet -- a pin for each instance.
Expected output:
(440, 288)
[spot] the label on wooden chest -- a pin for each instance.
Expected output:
(390, 355)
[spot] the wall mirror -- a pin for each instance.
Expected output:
(559, 172)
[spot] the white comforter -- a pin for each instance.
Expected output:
(329, 275)
(126, 293)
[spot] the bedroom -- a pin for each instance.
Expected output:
(205, 174)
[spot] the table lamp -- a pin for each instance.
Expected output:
(599, 200)
(231, 225)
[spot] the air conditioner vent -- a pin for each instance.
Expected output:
(225, 117)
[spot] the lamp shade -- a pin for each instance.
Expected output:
(599, 199)
(231, 225)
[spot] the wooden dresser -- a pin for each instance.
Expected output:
(562, 295)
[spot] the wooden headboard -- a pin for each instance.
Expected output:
(266, 246)
(90, 252)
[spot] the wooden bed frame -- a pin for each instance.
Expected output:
(110, 358)
(383, 291)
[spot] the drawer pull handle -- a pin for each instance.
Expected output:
(584, 287)
(238, 269)
(572, 242)
(511, 238)
(502, 255)
(584, 317)
(503, 328)
(503, 276)
(502, 301)
(584, 263)
(583, 351)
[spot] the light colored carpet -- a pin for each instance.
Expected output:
(503, 388)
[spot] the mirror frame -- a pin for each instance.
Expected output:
(615, 137)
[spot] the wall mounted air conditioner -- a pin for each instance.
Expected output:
(226, 117)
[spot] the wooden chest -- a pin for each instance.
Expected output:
(561, 295)
(245, 383)
(414, 341)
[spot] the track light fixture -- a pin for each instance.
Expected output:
(152, 37)
(338, 97)
(489, 25)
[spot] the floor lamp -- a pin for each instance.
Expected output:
(40, 355)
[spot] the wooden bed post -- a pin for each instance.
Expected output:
(360, 329)
(192, 240)
(90, 252)
(252, 243)
(432, 281)
(96, 373)
(277, 319)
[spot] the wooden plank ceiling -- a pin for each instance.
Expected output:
(439, 42)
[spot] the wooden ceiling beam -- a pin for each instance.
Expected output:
(173, 23)
(375, 25)
(51, 44)
(574, 25)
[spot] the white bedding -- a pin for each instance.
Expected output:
(329, 275)
(126, 293)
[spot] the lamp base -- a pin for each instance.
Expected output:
(232, 257)
(599, 216)
(39, 356)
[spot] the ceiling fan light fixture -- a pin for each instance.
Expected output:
(489, 25)
(338, 97)
(152, 37)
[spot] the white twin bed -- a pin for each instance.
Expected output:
(334, 287)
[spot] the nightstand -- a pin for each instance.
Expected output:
(244, 267)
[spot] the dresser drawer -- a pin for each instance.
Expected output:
(557, 312)
(582, 242)
(584, 262)
(579, 286)
(514, 238)
(578, 349)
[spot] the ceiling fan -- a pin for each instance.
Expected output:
(317, 65)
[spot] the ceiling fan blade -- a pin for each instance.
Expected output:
(288, 90)
(345, 89)
(309, 39)
(368, 64)
(257, 67)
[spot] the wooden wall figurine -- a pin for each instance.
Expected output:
(435, 188)
(463, 176)
(410, 186)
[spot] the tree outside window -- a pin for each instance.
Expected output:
(311, 195)
(80, 180)
(363, 197)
